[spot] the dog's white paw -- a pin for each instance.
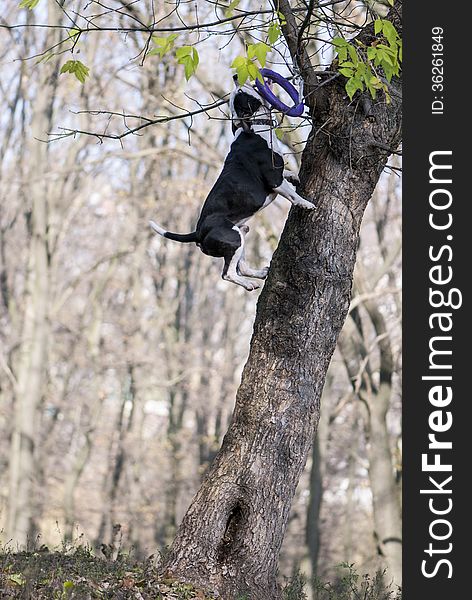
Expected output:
(247, 271)
(251, 286)
(304, 204)
(247, 284)
(261, 273)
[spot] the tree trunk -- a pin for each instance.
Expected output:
(32, 359)
(317, 474)
(230, 537)
(117, 458)
(70, 485)
(387, 516)
(387, 511)
(386, 507)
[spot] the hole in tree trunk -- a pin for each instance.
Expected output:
(232, 526)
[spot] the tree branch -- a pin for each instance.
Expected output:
(66, 132)
(300, 57)
(144, 29)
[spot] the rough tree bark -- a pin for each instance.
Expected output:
(230, 537)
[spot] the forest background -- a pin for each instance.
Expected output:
(124, 358)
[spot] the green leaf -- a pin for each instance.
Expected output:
(339, 42)
(371, 82)
(74, 32)
(281, 16)
(353, 54)
(352, 85)
(258, 51)
(195, 57)
(232, 5)
(274, 32)
(183, 51)
(342, 54)
(341, 46)
(17, 578)
(389, 32)
(30, 4)
(239, 61)
(163, 44)
(77, 68)
(392, 50)
(391, 2)
(372, 91)
(188, 57)
(186, 61)
(68, 585)
(389, 71)
(189, 70)
(154, 52)
(386, 59)
(375, 82)
(252, 70)
(279, 133)
(261, 53)
(243, 74)
(259, 77)
(361, 70)
(371, 52)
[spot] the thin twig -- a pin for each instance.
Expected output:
(67, 132)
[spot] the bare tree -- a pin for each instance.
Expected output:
(32, 355)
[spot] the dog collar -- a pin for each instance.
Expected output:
(252, 122)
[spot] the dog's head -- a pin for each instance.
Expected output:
(245, 102)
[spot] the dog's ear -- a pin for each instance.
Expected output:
(235, 79)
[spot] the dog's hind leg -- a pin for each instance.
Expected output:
(243, 268)
(233, 256)
(248, 271)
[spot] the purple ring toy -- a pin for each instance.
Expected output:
(266, 92)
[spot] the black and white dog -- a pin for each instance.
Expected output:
(252, 176)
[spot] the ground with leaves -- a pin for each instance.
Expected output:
(77, 574)
(80, 575)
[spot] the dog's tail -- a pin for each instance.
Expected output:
(178, 237)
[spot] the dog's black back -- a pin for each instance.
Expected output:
(250, 173)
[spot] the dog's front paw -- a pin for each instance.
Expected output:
(305, 204)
